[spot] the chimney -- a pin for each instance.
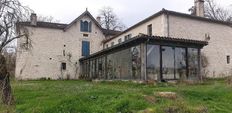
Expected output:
(33, 19)
(98, 19)
(199, 7)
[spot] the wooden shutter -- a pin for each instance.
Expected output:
(90, 26)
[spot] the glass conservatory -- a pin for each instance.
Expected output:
(146, 58)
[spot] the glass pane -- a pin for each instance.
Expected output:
(168, 62)
(136, 62)
(124, 64)
(110, 66)
(180, 63)
(192, 63)
(153, 62)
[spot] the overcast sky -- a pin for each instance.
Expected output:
(129, 11)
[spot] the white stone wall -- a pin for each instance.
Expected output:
(157, 29)
(49, 43)
(220, 43)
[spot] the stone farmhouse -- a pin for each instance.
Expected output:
(165, 46)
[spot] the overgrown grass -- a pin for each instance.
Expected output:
(111, 97)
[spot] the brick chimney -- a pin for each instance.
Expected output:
(199, 7)
(33, 19)
(98, 19)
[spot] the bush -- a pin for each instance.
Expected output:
(229, 80)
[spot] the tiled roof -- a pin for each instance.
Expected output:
(67, 26)
(183, 40)
(45, 25)
(145, 38)
(110, 32)
(63, 26)
(167, 12)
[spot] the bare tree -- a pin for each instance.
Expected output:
(47, 19)
(214, 11)
(109, 19)
(11, 11)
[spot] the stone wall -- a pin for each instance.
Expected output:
(48, 48)
(219, 43)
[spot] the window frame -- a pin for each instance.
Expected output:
(83, 50)
(149, 30)
(63, 66)
(85, 26)
(228, 59)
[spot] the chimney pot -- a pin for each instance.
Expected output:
(199, 8)
(33, 19)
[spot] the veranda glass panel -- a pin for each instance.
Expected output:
(90, 69)
(87, 69)
(93, 69)
(180, 63)
(153, 62)
(192, 63)
(168, 66)
(100, 68)
(136, 62)
(96, 68)
(124, 64)
(111, 66)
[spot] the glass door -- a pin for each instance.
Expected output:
(168, 62)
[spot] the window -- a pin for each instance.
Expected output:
(149, 30)
(86, 26)
(85, 48)
(127, 37)
(119, 40)
(106, 45)
(153, 62)
(112, 43)
(85, 35)
(228, 59)
(63, 52)
(192, 63)
(63, 66)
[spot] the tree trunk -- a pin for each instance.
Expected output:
(5, 88)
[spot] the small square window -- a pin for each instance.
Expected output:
(112, 43)
(119, 40)
(63, 66)
(85, 35)
(149, 30)
(228, 59)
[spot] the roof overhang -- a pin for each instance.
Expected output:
(159, 40)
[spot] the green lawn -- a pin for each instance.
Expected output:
(111, 97)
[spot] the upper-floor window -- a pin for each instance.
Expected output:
(106, 45)
(127, 37)
(112, 43)
(86, 26)
(119, 40)
(149, 30)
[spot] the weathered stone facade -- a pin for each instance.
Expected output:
(179, 25)
(51, 47)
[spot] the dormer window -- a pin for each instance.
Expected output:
(86, 26)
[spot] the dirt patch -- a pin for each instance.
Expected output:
(150, 99)
(169, 95)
